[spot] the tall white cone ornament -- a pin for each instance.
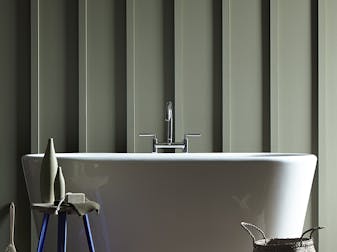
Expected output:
(48, 172)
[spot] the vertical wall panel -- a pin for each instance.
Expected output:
(58, 74)
(149, 72)
(146, 76)
(294, 76)
(198, 73)
(327, 123)
(150, 69)
(106, 83)
(291, 81)
(245, 79)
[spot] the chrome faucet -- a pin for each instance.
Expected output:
(169, 120)
(169, 144)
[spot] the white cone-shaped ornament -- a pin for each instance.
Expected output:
(48, 172)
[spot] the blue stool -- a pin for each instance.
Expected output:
(62, 228)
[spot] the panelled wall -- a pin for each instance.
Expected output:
(239, 72)
(243, 73)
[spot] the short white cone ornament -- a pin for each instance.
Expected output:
(59, 186)
(48, 173)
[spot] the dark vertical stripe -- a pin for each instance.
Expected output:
(120, 75)
(314, 109)
(217, 75)
(71, 73)
(314, 75)
(22, 229)
(168, 47)
(265, 23)
(168, 54)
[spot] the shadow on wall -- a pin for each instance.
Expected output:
(4, 213)
(4, 223)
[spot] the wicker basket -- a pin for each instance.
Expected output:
(301, 244)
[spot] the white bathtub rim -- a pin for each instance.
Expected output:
(214, 156)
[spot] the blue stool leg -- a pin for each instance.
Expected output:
(62, 232)
(43, 232)
(88, 233)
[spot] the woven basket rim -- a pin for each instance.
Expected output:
(284, 242)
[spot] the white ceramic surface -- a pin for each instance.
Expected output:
(180, 202)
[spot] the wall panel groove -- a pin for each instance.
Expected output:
(314, 204)
(217, 78)
(35, 79)
(71, 75)
(274, 92)
(325, 215)
(82, 61)
(120, 75)
(35, 100)
(226, 76)
(131, 99)
(168, 50)
(266, 73)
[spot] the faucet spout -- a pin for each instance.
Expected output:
(169, 144)
(169, 120)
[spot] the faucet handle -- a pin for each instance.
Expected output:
(192, 135)
(154, 140)
(186, 142)
(148, 135)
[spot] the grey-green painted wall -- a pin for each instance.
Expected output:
(95, 74)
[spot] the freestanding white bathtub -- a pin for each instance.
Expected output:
(180, 202)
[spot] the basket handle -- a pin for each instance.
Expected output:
(311, 230)
(245, 226)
